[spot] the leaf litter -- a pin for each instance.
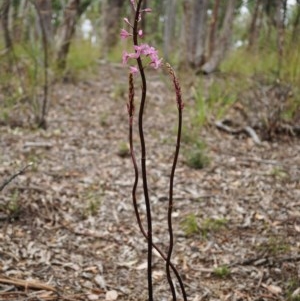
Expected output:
(67, 224)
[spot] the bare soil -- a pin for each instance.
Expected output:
(68, 229)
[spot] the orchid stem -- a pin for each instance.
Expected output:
(143, 153)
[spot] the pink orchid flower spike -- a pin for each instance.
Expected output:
(125, 34)
(133, 70)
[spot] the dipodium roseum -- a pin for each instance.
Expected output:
(125, 34)
(142, 49)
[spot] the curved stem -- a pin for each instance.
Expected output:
(138, 215)
(143, 152)
(180, 106)
(170, 228)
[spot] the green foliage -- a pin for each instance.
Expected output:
(201, 108)
(222, 271)
(57, 5)
(195, 155)
(279, 173)
(22, 83)
(12, 206)
(119, 91)
(294, 298)
(274, 246)
(123, 150)
(265, 61)
(114, 55)
(292, 285)
(212, 225)
(93, 203)
(22, 80)
(103, 119)
(84, 4)
(83, 56)
(190, 225)
(214, 98)
(194, 150)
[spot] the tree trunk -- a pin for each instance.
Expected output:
(253, 31)
(111, 27)
(169, 29)
(4, 20)
(45, 11)
(296, 26)
(71, 14)
(194, 31)
(280, 34)
(199, 30)
(213, 26)
(186, 37)
(223, 41)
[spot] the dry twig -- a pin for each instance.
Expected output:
(11, 178)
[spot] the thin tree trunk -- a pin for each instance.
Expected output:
(169, 28)
(200, 29)
(186, 31)
(223, 41)
(71, 14)
(193, 33)
(253, 31)
(213, 26)
(296, 26)
(41, 118)
(111, 23)
(45, 10)
(280, 34)
(4, 20)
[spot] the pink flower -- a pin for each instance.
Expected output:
(125, 34)
(125, 57)
(140, 33)
(133, 70)
(134, 55)
(133, 3)
(127, 21)
(145, 49)
(151, 52)
(147, 10)
(142, 49)
(156, 63)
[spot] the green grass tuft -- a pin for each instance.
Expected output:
(190, 225)
(212, 225)
(83, 56)
(196, 156)
(222, 271)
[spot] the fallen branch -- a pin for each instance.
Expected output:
(247, 130)
(32, 284)
(258, 261)
(37, 144)
(6, 182)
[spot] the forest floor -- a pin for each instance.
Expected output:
(67, 224)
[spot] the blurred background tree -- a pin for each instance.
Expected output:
(204, 36)
(203, 30)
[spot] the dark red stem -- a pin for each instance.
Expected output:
(180, 106)
(170, 227)
(143, 153)
(134, 188)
